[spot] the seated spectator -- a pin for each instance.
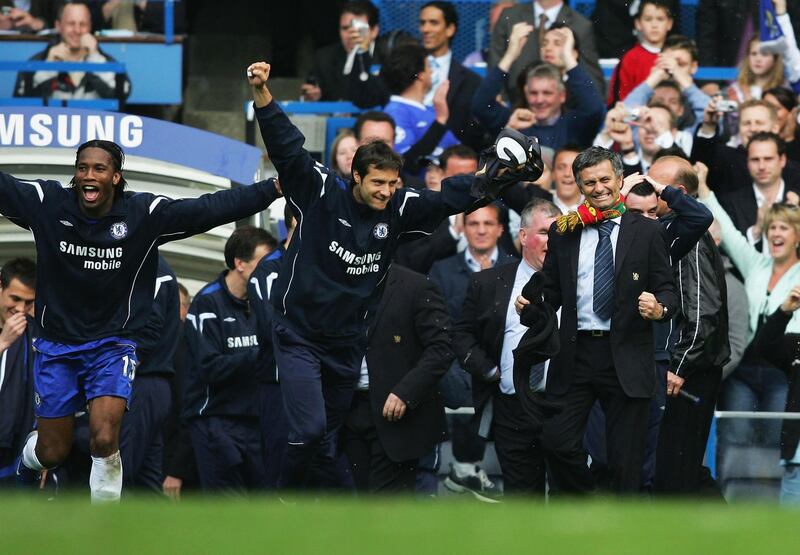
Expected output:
(727, 163)
(140, 15)
(758, 71)
(656, 129)
(653, 22)
(342, 151)
(747, 208)
(613, 23)
(407, 74)
(543, 15)
(29, 17)
(75, 44)
(333, 63)
(543, 113)
(785, 103)
(671, 82)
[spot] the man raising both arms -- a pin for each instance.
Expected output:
(102, 243)
(335, 267)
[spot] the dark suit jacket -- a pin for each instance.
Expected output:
(727, 166)
(408, 352)
(419, 253)
(328, 65)
(580, 26)
(478, 335)
(451, 276)
(641, 264)
(742, 207)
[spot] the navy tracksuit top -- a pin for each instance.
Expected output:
(222, 349)
(336, 264)
(96, 278)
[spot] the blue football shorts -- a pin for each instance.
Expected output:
(66, 377)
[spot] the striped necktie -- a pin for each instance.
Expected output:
(603, 298)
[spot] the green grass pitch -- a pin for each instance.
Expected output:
(331, 525)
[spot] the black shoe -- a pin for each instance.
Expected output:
(477, 484)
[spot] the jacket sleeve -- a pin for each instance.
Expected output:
(214, 365)
(149, 337)
(743, 255)
(302, 179)
(424, 146)
(185, 217)
(21, 201)
(551, 291)
(638, 96)
(492, 115)
(690, 224)
(421, 211)
(466, 344)
(432, 325)
(701, 305)
(738, 324)
(518, 195)
(661, 281)
(421, 254)
(586, 119)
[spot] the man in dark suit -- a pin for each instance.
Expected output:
(544, 12)
(482, 229)
(484, 339)
(396, 415)
(727, 165)
(328, 80)
(611, 273)
(438, 26)
(766, 160)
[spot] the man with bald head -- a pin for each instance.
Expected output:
(693, 347)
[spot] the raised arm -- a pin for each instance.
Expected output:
(690, 224)
(21, 201)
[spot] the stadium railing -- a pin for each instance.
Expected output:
(99, 104)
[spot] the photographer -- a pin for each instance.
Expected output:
(358, 29)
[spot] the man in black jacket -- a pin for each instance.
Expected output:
(484, 339)
(140, 440)
(223, 349)
(397, 416)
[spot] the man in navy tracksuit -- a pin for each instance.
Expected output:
(334, 272)
(271, 414)
(220, 400)
(97, 248)
(141, 444)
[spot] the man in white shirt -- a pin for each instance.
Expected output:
(484, 339)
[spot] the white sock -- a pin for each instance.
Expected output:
(29, 457)
(105, 479)
(465, 469)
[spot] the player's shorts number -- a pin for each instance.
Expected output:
(129, 368)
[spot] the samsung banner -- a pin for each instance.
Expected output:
(139, 136)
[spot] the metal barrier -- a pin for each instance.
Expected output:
(95, 67)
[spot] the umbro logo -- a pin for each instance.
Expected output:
(66, 223)
(345, 222)
(229, 319)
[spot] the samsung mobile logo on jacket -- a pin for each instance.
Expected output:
(108, 258)
(356, 265)
(243, 341)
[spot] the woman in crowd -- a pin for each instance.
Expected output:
(757, 384)
(342, 151)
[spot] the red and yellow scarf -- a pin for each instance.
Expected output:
(586, 215)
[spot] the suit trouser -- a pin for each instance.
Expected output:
(141, 444)
(317, 384)
(372, 469)
(594, 377)
(683, 437)
(274, 430)
(518, 446)
(228, 453)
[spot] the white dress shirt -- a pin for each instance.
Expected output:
(440, 69)
(551, 13)
(474, 265)
(760, 199)
(590, 236)
(514, 330)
